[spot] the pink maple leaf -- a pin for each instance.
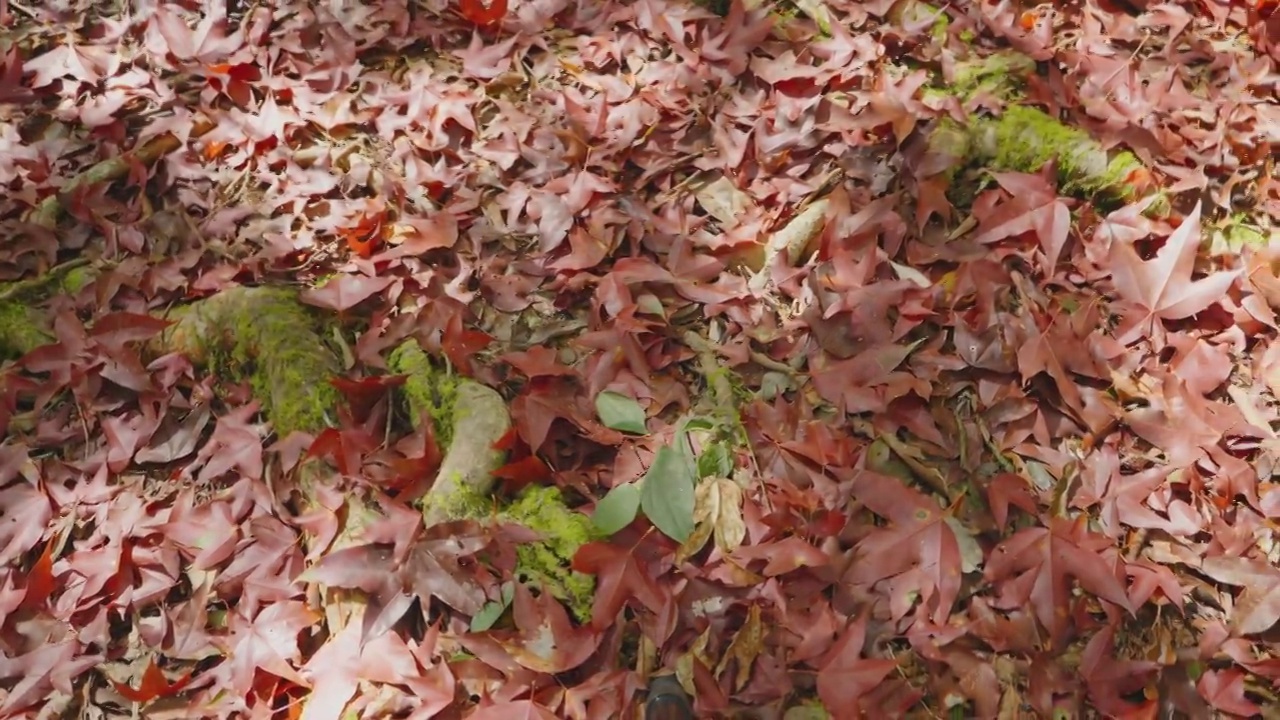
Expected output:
(846, 676)
(1162, 287)
(267, 642)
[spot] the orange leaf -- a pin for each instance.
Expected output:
(153, 685)
(365, 237)
(213, 149)
(40, 583)
(483, 13)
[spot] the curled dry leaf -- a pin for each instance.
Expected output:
(717, 513)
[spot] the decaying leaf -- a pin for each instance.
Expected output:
(717, 512)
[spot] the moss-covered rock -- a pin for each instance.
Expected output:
(24, 326)
(266, 336)
(469, 418)
(1026, 139)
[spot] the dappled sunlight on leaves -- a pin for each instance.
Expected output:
(859, 409)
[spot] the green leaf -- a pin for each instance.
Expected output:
(620, 412)
(617, 509)
(492, 610)
(695, 423)
(716, 460)
(667, 494)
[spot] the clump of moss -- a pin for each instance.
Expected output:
(546, 562)
(1001, 74)
(430, 392)
(78, 278)
(266, 336)
(1022, 138)
(23, 326)
(21, 330)
(1026, 139)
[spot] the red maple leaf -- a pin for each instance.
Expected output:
(345, 291)
(845, 676)
(154, 684)
(918, 551)
(621, 577)
(268, 641)
(513, 710)
(1036, 565)
(483, 13)
(1163, 288)
(40, 581)
(545, 640)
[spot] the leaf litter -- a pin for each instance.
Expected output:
(1006, 456)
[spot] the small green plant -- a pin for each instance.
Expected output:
(666, 492)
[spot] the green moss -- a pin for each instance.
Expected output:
(546, 562)
(807, 710)
(1026, 139)
(430, 391)
(78, 278)
(21, 330)
(1002, 74)
(543, 563)
(463, 503)
(291, 364)
(24, 327)
(263, 335)
(1022, 138)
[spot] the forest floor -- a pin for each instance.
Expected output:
(893, 361)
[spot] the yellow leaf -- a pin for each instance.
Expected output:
(745, 648)
(730, 528)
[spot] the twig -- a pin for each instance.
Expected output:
(50, 209)
(33, 286)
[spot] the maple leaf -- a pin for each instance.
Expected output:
(153, 684)
(1224, 689)
(50, 666)
(845, 676)
(268, 641)
(1110, 679)
(1036, 563)
(919, 548)
(174, 440)
(513, 710)
(621, 577)
(1258, 608)
(431, 568)
(1007, 489)
(546, 640)
(784, 556)
(235, 444)
(1033, 208)
(11, 86)
(483, 13)
(1163, 288)
(26, 512)
(345, 291)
